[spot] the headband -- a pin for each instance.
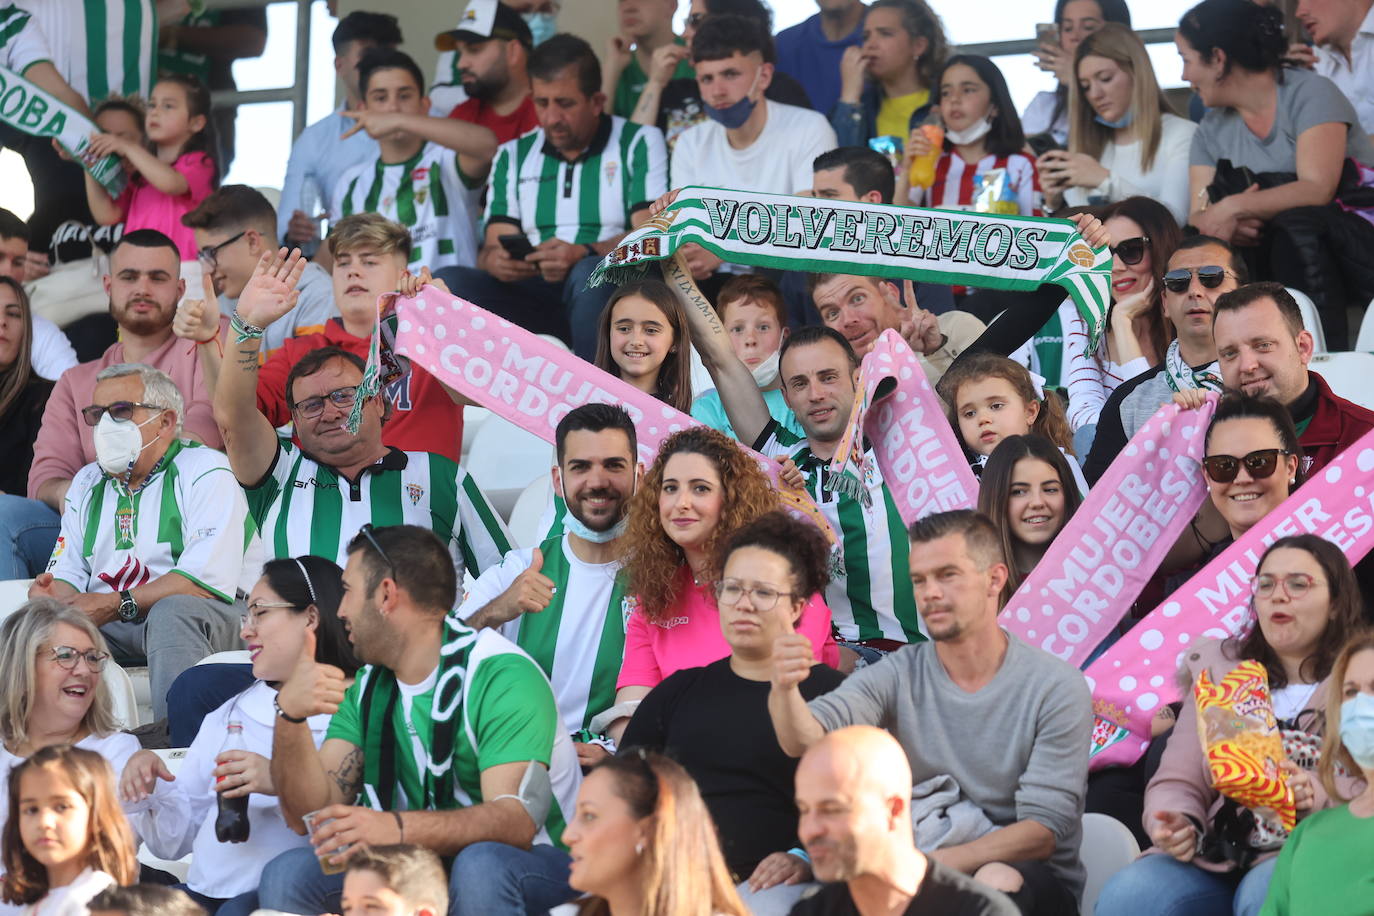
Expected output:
(308, 584)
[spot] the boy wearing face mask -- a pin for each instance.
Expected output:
(754, 315)
(748, 143)
(153, 532)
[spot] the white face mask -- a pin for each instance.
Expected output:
(118, 443)
(971, 134)
(766, 372)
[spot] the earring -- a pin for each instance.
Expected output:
(639, 848)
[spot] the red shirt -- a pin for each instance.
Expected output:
(506, 127)
(1335, 426)
(424, 418)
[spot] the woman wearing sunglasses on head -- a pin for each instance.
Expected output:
(1143, 236)
(292, 613)
(52, 691)
(1208, 858)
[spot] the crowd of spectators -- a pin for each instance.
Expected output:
(680, 698)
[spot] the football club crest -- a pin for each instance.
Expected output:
(611, 168)
(415, 492)
(628, 604)
(124, 528)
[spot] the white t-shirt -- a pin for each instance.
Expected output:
(778, 162)
(71, 899)
(50, 353)
(1166, 181)
(1356, 78)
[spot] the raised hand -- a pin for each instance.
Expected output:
(1175, 834)
(663, 63)
(271, 292)
(410, 284)
(198, 319)
(789, 473)
(377, 123)
(1092, 230)
(530, 593)
(140, 776)
(1190, 398)
(852, 71)
(792, 658)
(107, 145)
(664, 202)
(312, 688)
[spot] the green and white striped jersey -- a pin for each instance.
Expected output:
(870, 594)
(509, 717)
(428, 194)
(22, 43)
(188, 518)
(101, 47)
(579, 639)
(304, 507)
(588, 200)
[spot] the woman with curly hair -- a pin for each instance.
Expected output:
(701, 488)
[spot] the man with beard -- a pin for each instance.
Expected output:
(561, 602)
(533, 201)
(322, 151)
(144, 284)
(491, 48)
(854, 796)
(448, 739)
(1024, 764)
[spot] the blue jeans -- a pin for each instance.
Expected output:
(486, 878)
(28, 530)
(199, 691)
(242, 905)
(537, 305)
(1160, 885)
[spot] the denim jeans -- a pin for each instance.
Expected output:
(28, 530)
(1160, 885)
(486, 878)
(199, 691)
(537, 305)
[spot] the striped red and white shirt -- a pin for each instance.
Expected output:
(955, 184)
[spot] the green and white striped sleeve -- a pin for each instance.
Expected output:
(481, 536)
(646, 170)
(503, 198)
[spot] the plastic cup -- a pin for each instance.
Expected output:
(313, 821)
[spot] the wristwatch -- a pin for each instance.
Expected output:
(128, 607)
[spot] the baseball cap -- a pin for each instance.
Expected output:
(484, 20)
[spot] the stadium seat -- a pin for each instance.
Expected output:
(1310, 319)
(1365, 341)
(529, 509)
(232, 657)
(172, 758)
(504, 461)
(557, 342)
(124, 702)
(1348, 374)
(473, 418)
(1108, 846)
(13, 593)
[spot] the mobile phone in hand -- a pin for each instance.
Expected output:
(517, 245)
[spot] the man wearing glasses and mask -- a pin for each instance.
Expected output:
(1200, 270)
(154, 532)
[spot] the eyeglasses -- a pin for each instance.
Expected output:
(366, 531)
(67, 657)
(210, 256)
(1294, 585)
(1260, 463)
(120, 410)
(340, 397)
(761, 598)
(1131, 251)
(1210, 276)
(260, 609)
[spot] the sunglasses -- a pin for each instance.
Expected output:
(341, 398)
(120, 410)
(1131, 251)
(1211, 276)
(366, 531)
(1260, 464)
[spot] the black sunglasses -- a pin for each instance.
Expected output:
(1211, 276)
(120, 410)
(1260, 463)
(1131, 251)
(366, 531)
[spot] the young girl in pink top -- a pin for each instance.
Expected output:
(701, 488)
(172, 174)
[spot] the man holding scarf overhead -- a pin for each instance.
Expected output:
(449, 739)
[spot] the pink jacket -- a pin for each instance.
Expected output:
(1181, 783)
(65, 444)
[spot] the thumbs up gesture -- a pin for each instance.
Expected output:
(530, 593)
(312, 688)
(198, 319)
(792, 657)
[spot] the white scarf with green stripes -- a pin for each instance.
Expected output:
(32, 110)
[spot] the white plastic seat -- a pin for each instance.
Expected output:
(504, 460)
(1310, 319)
(123, 700)
(231, 657)
(13, 594)
(473, 418)
(1108, 846)
(556, 341)
(1348, 374)
(1365, 341)
(529, 509)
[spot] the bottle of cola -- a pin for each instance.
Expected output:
(231, 824)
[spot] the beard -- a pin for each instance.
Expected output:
(487, 86)
(150, 323)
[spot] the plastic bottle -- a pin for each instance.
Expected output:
(231, 824)
(922, 172)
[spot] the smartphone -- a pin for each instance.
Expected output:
(1047, 34)
(517, 245)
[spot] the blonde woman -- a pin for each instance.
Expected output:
(1124, 140)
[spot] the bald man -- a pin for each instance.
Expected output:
(854, 795)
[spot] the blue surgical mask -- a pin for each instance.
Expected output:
(734, 115)
(1126, 121)
(543, 26)
(576, 526)
(1357, 728)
